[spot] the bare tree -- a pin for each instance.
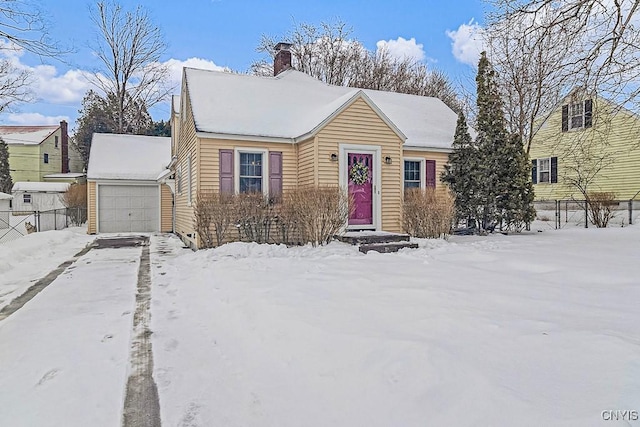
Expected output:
(599, 41)
(22, 28)
(129, 46)
(330, 53)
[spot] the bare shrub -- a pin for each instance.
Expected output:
(287, 221)
(319, 212)
(255, 215)
(427, 213)
(75, 200)
(214, 214)
(600, 208)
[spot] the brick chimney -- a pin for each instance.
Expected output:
(282, 60)
(64, 145)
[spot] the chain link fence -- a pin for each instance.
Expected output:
(560, 214)
(14, 225)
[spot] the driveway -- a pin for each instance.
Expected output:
(66, 354)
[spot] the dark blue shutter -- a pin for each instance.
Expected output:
(565, 118)
(554, 169)
(534, 171)
(226, 171)
(588, 113)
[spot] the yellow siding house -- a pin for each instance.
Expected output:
(239, 133)
(38, 151)
(586, 144)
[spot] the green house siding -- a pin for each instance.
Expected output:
(611, 144)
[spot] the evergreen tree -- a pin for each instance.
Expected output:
(506, 193)
(462, 173)
(6, 184)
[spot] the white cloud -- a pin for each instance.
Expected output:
(176, 65)
(35, 119)
(468, 42)
(60, 89)
(403, 48)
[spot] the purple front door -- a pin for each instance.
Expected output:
(360, 174)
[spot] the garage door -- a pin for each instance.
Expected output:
(125, 208)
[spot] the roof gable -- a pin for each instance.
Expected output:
(26, 135)
(128, 157)
(292, 106)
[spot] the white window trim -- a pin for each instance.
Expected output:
(570, 116)
(423, 170)
(265, 167)
(189, 176)
(539, 170)
(179, 179)
(343, 181)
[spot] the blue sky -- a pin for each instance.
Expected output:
(225, 33)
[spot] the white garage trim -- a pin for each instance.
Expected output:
(130, 184)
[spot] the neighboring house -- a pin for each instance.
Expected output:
(126, 184)
(38, 196)
(5, 207)
(237, 133)
(586, 142)
(36, 151)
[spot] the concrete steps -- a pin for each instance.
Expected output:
(378, 241)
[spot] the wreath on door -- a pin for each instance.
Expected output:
(359, 173)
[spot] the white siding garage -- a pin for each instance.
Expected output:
(128, 208)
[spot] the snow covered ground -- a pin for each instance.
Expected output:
(527, 330)
(535, 329)
(25, 260)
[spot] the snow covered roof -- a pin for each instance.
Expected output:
(40, 187)
(175, 104)
(5, 196)
(65, 175)
(26, 135)
(293, 104)
(130, 157)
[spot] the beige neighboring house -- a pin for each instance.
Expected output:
(38, 151)
(127, 184)
(237, 133)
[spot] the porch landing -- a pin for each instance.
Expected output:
(379, 241)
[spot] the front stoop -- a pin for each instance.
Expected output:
(380, 241)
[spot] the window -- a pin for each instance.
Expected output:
(46, 158)
(577, 115)
(251, 173)
(26, 198)
(544, 170)
(412, 175)
(55, 141)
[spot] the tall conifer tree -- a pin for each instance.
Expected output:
(462, 173)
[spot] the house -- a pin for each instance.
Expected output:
(37, 151)
(239, 133)
(5, 208)
(38, 196)
(586, 142)
(127, 184)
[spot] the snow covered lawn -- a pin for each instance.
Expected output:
(537, 329)
(25, 260)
